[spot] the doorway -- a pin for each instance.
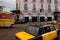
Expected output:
(26, 19)
(34, 19)
(42, 19)
(49, 18)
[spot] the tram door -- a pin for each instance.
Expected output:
(26, 19)
(42, 19)
(34, 19)
(49, 18)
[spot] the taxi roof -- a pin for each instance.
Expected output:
(46, 25)
(36, 29)
(40, 26)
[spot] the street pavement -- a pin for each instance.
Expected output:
(9, 33)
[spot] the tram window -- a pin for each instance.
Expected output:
(3, 15)
(11, 15)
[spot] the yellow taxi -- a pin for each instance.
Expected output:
(33, 32)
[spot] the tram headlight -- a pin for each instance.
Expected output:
(8, 24)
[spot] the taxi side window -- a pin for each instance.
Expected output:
(47, 29)
(41, 31)
(52, 28)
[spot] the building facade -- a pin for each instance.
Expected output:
(38, 10)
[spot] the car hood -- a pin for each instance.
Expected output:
(24, 35)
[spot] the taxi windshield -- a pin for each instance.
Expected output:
(35, 30)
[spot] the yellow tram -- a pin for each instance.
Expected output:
(6, 19)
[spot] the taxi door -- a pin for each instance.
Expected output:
(50, 34)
